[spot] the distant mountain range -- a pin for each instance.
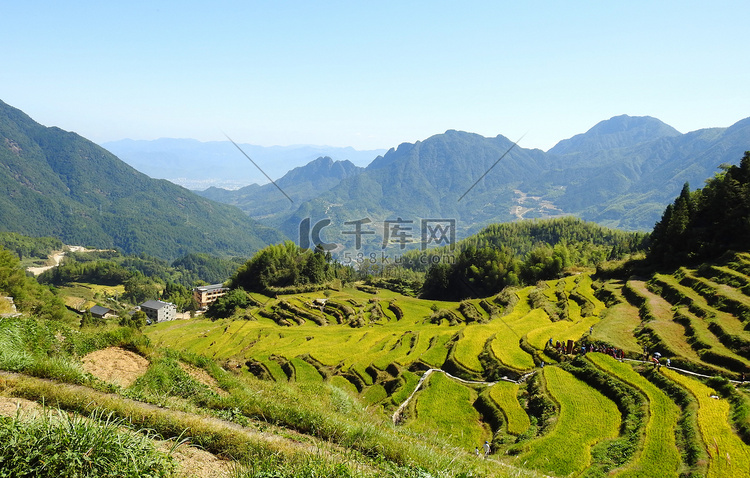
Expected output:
(621, 173)
(56, 183)
(199, 165)
(296, 187)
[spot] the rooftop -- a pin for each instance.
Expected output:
(99, 310)
(206, 288)
(154, 304)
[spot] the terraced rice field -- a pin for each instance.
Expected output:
(619, 322)
(380, 348)
(658, 454)
(445, 407)
(661, 322)
(586, 417)
(505, 396)
(728, 455)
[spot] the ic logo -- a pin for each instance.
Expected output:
(311, 237)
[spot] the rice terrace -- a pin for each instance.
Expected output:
(548, 347)
(506, 380)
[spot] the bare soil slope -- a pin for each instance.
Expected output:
(115, 365)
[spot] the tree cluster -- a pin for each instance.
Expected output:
(26, 247)
(703, 224)
(482, 272)
(587, 244)
(28, 295)
(285, 266)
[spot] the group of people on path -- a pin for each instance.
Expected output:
(616, 353)
(655, 359)
(485, 447)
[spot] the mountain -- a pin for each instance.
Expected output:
(200, 165)
(630, 187)
(430, 179)
(300, 184)
(617, 132)
(57, 183)
(621, 173)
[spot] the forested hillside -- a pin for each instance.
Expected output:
(295, 187)
(704, 224)
(56, 183)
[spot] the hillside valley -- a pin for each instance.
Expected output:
(548, 347)
(56, 183)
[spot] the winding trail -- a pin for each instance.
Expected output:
(57, 257)
(397, 415)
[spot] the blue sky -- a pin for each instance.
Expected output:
(372, 74)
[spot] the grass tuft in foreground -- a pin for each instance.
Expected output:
(57, 445)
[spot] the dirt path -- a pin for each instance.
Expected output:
(57, 257)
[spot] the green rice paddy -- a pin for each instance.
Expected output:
(380, 359)
(586, 418)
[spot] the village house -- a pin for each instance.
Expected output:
(101, 312)
(159, 311)
(207, 294)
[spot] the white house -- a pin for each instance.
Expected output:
(159, 311)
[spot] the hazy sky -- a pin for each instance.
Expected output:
(372, 74)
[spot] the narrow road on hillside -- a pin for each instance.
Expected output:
(57, 257)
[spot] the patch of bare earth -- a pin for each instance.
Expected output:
(10, 406)
(203, 377)
(115, 365)
(196, 463)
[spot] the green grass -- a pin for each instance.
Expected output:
(344, 384)
(436, 354)
(658, 455)
(586, 418)
(274, 369)
(508, 332)
(585, 289)
(361, 372)
(728, 455)
(505, 396)
(59, 445)
(374, 394)
(445, 408)
(470, 345)
(410, 381)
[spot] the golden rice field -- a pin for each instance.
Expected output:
(378, 349)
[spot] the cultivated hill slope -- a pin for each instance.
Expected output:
(56, 183)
